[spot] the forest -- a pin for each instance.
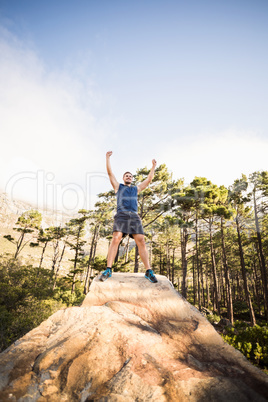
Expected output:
(210, 241)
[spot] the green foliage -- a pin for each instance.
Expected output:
(213, 318)
(66, 296)
(240, 307)
(99, 264)
(26, 225)
(155, 200)
(251, 341)
(27, 299)
(76, 231)
(9, 238)
(29, 220)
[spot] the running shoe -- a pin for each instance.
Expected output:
(149, 274)
(106, 274)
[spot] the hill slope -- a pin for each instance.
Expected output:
(130, 340)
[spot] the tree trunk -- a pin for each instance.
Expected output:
(244, 275)
(202, 284)
(127, 250)
(214, 271)
(55, 255)
(42, 255)
(136, 267)
(58, 267)
(168, 261)
(256, 282)
(262, 260)
(184, 240)
(74, 270)
(87, 280)
(222, 287)
(77, 249)
(194, 282)
(208, 287)
(197, 264)
(19, 243)
(173, 266)
(227, 277)
(95, 244)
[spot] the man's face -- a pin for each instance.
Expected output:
(127, 178)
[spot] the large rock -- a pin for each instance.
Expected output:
(131, 340)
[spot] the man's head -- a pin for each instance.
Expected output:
(127, 177)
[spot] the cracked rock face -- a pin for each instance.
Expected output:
(131, 340)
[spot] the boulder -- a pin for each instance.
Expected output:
(131, 340)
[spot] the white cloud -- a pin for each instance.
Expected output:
(56, 128)
(47, 123)
(221, 158)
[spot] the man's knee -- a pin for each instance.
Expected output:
(117, 236)
(140, 241)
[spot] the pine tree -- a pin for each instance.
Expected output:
(27, 225)
(238, 199)
(155, 200)
(259, 181)
(76, 231)
(101, 226)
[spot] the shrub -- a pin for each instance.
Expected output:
(27, 299)
(251, 341)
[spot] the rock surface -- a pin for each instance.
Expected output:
(131, 340)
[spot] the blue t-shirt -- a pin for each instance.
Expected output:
(127, 198)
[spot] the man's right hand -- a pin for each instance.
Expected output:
(112, 178)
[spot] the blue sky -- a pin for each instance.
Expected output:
(184, 82)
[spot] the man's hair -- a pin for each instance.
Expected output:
(126, 173)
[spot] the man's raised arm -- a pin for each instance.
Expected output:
(149, 178)
(112, 178)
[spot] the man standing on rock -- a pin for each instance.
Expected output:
(127, 220)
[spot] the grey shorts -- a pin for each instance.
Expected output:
(128, 223)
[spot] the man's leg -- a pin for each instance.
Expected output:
(117, 236)
(140, 241)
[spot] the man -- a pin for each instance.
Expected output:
(127, 220)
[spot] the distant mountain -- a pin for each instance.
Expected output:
(10, 211)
